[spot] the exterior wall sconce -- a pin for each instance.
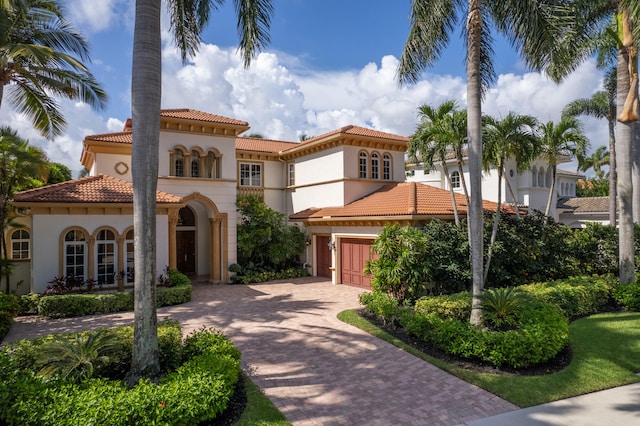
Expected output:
(331, 244)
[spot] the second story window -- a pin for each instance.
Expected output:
(178, 163)
(455, 180)
(386, 167)
(195, 164)
(291, 176)
(364, 159)
(375, 166)
(250, 174)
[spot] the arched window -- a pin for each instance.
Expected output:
(212, 165)
(375, 166)
(106, 257)
(541, 177)
(548, 178)
(178, 162)
(534, 177)
(75, 254)
(195, 164)
(20, 244)
(455, 180)
(386, 167)
(129, 258)
(186, 217)
(563, 189)
(363, 172)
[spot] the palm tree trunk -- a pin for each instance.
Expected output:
(474, 130)
(456, 216)
(624, 137)
(613, 174)
(552, 190)
(494, 229)
(513, 197)
(145, 97)
(635, 171)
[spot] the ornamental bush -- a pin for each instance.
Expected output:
(382, 306)
(196, 391)
(627, 296)
(9, 308)
(457, 305)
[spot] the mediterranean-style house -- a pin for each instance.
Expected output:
(340, 188)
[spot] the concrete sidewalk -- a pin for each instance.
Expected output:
(320, 371)
(616, 407)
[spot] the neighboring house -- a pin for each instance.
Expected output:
(341, 188)
(530, 188)
(576, 212)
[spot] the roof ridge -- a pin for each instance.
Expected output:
(59, 185)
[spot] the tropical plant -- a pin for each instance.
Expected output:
(21, 167)
(564, 139)
(597, 159)
(601, 105)
(78, 357)
(433, 140)
(188, 18)
(527, 26)
(58, 173)
(500, 307)
(41, 58)
(511, 138)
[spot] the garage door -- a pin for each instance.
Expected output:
(354, 254)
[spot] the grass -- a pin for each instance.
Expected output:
(259, 411)
(606, 354)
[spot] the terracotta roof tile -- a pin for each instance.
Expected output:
(192, 114)
(355, 131)
(585, 204)
(398, 199)
(93, 189)
(263, 145)
(120, 137)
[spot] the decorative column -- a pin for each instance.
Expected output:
(215, 273)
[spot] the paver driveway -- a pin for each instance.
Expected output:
(316, 369)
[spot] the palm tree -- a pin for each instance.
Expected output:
(592, 31)
(564, 139)
(188, 18)
(598, 158)
(526, 24)
(512, 137)
(602, 105)
(432, 142)
(41, 58)
(20, 166)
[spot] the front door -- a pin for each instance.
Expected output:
(186, 251)
(323, 256)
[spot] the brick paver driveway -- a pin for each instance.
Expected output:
(316, 369)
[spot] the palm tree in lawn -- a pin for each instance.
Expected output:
(564, 139)
(602, 105)
(598, 158)
(40, 59)
(527, 26)
(512, 138)
(432, 142)
(188, 18)
(591, 28)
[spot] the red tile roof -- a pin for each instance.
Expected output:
(263, 145)
(120, 137)
(93, 189)
(398, 199)
(193, 115)
(585, 204)
(355, 131)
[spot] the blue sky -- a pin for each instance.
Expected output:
(330, 63)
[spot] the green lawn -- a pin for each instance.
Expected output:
(606, 354)
(260, 411)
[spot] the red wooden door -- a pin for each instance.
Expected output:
(354, 254)
(323, 256)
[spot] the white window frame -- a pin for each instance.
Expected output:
(76, 244)
(102, 255)
(251, 175)
(291, 174)
(455, 179)
(23, 252)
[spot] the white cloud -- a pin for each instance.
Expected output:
(99, 15)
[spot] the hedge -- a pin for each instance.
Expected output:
(196, 391)
(9, 308)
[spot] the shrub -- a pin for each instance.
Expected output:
(384, 307)
(457, 305)
(500, 307)
(576, 296)
(29, 303)
(253, 275)
(627, 296)
(195, 392)
(542, 331)
(9, 308)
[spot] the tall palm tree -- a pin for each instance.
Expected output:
(602, 105)
(20, 166)
(564, 139)
(526, 23)
(432, 142)
(188, 18)
(41, 58)
(511, 138)
(590, 29)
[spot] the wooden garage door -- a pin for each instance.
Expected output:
(353, 256)
(323, 256)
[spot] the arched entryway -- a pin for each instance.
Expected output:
(198, 238)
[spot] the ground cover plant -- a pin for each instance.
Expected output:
(200, 376)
